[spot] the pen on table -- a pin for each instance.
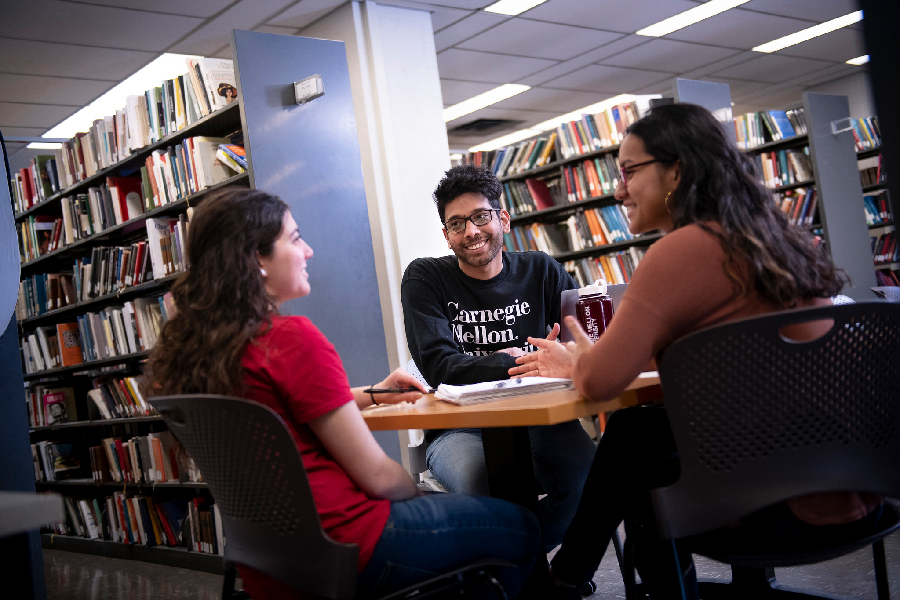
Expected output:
(396, 390)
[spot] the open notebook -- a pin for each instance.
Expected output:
(488, 391)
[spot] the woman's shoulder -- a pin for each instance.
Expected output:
(293, 327)
(694, 241)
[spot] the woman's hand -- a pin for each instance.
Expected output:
(553, 359)
(400, 379)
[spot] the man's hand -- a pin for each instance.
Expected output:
(554, 333)
(552, 358)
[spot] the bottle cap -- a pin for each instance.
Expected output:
(592, 290)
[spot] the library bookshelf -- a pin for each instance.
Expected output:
(277, 163)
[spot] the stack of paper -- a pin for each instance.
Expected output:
(489, 391)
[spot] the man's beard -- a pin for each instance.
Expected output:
(495, 244)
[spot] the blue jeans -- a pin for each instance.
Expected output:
(429, 535)
(562, 456)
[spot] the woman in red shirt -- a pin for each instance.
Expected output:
(246, 258)
(728, 253)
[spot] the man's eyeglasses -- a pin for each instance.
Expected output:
(479, 219)
(628, 171)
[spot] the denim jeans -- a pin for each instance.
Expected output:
(562, 457)
(432, 534)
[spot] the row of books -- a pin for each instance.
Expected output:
(51, 347)
(55, 461)
(120, 397)
(784, 167)
(866, 133)
(523, 196)
(140, 459)
(758, 128)
(586, 229)
(888, 278)
(871, 171)
(524, 156)
(885, 249)
(596, 131)
(591, 178)
(50, 405)
(799, 205)
(878, 208)
(111, 332)
(45, 292)
(615, 268)
(144, 120)
(138, 519)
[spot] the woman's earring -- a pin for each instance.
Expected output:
(666, 202)
(262, 272)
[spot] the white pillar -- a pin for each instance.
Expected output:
(402, 140)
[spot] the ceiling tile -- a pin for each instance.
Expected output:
(193, 8)
(811, 10)
(839, 46)
(66, 60)
(23, 131)
(737, 59)
(442, 16)
(50, 90)
(551, 100)
(563, 68)
(467, 28)
(216, 33)
(275, 29)
(454, 92)
(605, 79)
(305, 12)
(91, 25)
(464, 4)
(523, 37)
(669, 55)
(773, 68)
(467, 65)
(33, 115)
(612, 15)
(738, 28)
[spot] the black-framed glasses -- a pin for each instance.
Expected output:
(479, 219)
(629, 170)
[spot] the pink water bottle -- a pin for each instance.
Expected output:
(594, 309)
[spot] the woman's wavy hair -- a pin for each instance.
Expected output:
(719, 183)
(221, 300)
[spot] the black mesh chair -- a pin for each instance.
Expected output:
(758, 419)
(256, 476)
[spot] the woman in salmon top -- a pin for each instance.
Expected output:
(246, 258)
(727, 253)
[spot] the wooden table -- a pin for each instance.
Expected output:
(504, 427)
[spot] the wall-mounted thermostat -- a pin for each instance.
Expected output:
(308, 89)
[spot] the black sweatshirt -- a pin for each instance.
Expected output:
(456, 324)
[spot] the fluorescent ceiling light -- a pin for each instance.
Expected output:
(517, 136)
(44, 145)
(689, 17)
(512, 7)
(811, 32)
(167, 66)
(481, 100)
(859, 60)
(506, 140)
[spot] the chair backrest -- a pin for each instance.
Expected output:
(256, 476)
(758, 418)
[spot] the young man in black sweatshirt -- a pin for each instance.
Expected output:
(467, 318)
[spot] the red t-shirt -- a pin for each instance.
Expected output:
(295, 370)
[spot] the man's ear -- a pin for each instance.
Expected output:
(504, 219)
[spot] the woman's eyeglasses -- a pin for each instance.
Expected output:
(628, 171)
(479, 219)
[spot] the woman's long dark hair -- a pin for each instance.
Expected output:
(720, 184)
(221, 301)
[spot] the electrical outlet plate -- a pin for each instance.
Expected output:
(308, 89)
